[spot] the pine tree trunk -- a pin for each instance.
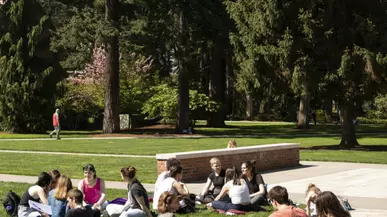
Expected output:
(249, 107)
(183, 87)
(303, 112)
(348, 134)
(111, 121)
(217, 84)
(230, 84)
(328, 111)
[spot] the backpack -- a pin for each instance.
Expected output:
(11, 202)
(187, 205)
(344, 202)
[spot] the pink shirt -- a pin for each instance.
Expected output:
(92, 194)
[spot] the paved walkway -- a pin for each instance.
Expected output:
(364, 185)
(79, 154)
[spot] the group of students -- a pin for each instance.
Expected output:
(245, 192)
(231, 191)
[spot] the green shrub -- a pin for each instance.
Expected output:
(366, 120)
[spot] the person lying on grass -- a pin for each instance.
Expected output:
(168, 204)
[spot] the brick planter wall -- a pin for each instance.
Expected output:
(196, 164)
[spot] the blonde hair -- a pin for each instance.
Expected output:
(313, 187)
(214, 160)
(64, 185)
(231, 144)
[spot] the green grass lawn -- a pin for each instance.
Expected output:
(232, 128)
(107, 168)
(19, 188)
(152, 146)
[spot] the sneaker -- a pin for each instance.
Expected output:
(50, 136)
(58, 139)
(198, 202)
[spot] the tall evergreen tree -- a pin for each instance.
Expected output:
(111, 121)
(29, 71)
(357, 47)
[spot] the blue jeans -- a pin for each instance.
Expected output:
(225, 206)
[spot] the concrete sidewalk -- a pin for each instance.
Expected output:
(364, 185)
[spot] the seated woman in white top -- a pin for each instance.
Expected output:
(237, 191)
(168, 164)
(172, 185)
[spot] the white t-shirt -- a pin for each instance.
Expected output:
(160, 179)
(166, 185)
(239, 194)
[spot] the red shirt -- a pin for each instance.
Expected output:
(289, 211)
(55, 119)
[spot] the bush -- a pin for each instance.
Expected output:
(79, 103)
(164, 103)
(366, 120)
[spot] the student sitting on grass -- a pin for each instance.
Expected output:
(171, 184)
(311, 194)
(328, 205)
(75, 203)
(55, 174)
(137, 204)
(279, 198)
(255, 184)
(168, 204)
(57, 198)
(37, 193)
(93, 189)
(216, 178)
(237, 190)
(168, 164)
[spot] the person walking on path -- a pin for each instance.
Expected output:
(55, 123)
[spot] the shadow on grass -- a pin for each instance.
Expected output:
(338, 147)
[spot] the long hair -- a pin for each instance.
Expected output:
(175, 170)
(91, 168)
(327, 205)
(64, 185)
(165, 200)
(312, 188)
(129, 172)
(250, 164)
(44, 180)
(232, 174)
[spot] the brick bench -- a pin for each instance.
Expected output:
(196, 164)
